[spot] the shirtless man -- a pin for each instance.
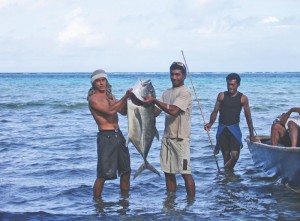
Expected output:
(113, 155)
(286, 131)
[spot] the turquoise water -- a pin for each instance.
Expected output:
(48, 153)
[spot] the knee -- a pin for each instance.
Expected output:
(292, 125)
(170, 176)
(100, 180)
(277, 127)
(126, 176)
(187, 177)
(226, 155)
(235, 157)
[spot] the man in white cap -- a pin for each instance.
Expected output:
(113, 155)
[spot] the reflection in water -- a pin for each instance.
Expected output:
(169, 202)
(230, 176)
(106, 207)
(174, 205)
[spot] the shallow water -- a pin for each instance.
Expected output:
(48, 153)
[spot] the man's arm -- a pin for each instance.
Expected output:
(296, 109)
(123, 110)
(168, 108)
(97, 104)
(286, 115)
(214, 113)
(157, 111)
(246, 106)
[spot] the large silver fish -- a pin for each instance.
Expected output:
(141, 123)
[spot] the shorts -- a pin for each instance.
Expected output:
(175, 156)
(227, 141)
(286, 140)
(113, 155)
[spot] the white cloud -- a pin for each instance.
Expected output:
(148, 43)
(79, 32)
(23, 3)
(270, 20)
(5, 3)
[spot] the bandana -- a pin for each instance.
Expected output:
(98, 74)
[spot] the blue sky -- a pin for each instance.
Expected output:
(140, 35)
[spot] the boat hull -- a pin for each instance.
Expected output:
(277, 161)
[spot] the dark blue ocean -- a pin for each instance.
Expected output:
(48, 153)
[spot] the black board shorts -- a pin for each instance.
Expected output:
(228, 142)
(286, 140)
(113, 155)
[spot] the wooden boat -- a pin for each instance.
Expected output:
(278, 161)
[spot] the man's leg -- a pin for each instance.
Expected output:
(125, 182)
(170, 182)
(277, 132)
(98, 187)
(226, 155)
(224, 145)
(233, 160)
(293, 131)
(189, 184)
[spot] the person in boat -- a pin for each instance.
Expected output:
(229, 137)
(176, 102)
(113, 155)
(286, 130)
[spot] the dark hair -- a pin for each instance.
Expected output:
(233, 76)
(109, 94)
(178, 65)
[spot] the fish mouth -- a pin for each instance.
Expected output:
(144, 83)
(137, 101)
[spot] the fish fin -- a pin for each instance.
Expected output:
(141, 168)
(144, 166)
(156, 134)
(150, 167)
(139, 117)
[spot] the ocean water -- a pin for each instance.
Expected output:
(48, 153)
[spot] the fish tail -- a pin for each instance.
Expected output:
(144, 166)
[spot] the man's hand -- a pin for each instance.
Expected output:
(148, 100)
(207, 127)
(128, 93)
(254, 139)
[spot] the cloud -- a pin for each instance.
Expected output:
(269, 20)
(148, 43)
(23, 3)
(79, 32)
(6, 3)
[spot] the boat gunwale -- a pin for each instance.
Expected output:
(281, 148)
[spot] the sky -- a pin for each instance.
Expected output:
(147, 36)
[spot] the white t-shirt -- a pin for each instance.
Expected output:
(178, 126)
(296, 120)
